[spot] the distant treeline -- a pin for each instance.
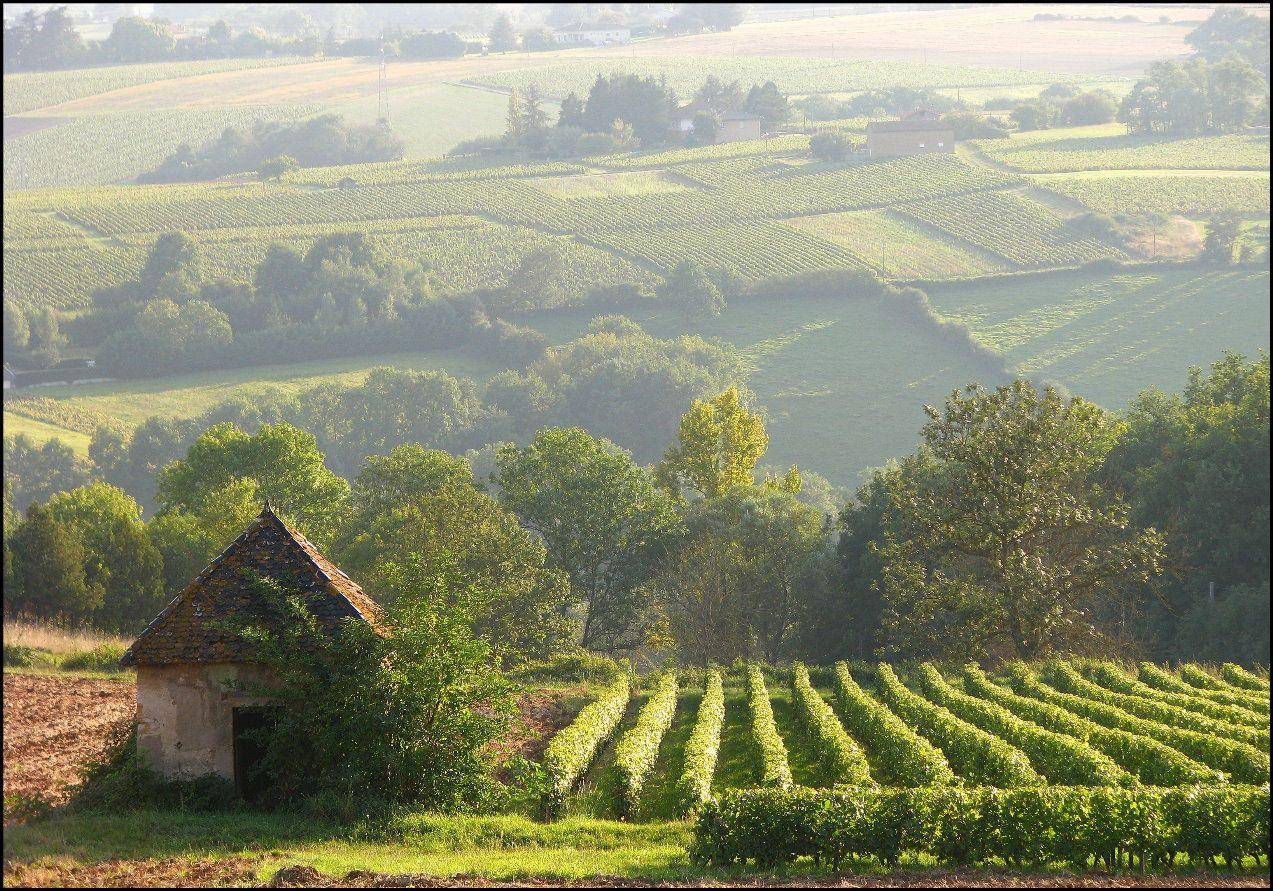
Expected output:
(323, 141)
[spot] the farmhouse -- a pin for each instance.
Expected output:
(733, 125)
(593, 35)
(191, 718)
(920, 132)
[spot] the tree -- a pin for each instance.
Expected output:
(538, 283)
(165, 337)
(45, 339)
(17, 331)
(36, 472)
(189, 537)
(369, 719)
(56, 44)
(502, 37)
(1222, 236)
(766, 103)
(1038, 115)
(706, 128)
(1092, 107)
(119, 556)
(436, 522)
(134, 39)
(538, 40)
(643, 103)
(571, 113)
(281, 460)
(831, 145)
(277, 167)
(48, 569)
(604, 523)
(534, 119)
(174, 255)
(1011, 543)
(433, 45)
(689, 286)
(1231, 31)
(720, 443)
(515, 119)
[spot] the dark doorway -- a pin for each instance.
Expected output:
(249, 749)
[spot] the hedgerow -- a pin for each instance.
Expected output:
(771, 754)
(703, 745)
(840, 758)
(1153, 762)
(1061, 759)
(1240, 677)
(1153, 676)
(976, 755)
(897, 754)
(1076, 826)
(1112, 677)
(639, 747)
(1243, 763)
(1065, 677)
(573, 748)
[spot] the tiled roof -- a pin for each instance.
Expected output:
(917, 126)
(191, 627)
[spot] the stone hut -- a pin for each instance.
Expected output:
(190, 717)
(920, 132)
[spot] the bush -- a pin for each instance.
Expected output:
(103, 657)
(901, 756)
(832, 145)
(770, 753)
(122, 782)
(573, 748)
(976, 755)
(639, 747)
(19, 656)
(579, 667)
(1065, 825)
(703, 746)
(840, 758)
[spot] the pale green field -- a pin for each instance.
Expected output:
(604, 185)
(1109, 147)
(901, 248)
(38, 431)
(1184, 192)
(1109, 336)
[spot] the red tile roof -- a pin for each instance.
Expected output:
(190, 628)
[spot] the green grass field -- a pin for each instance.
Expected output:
(1108, 336)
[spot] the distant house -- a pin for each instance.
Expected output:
(193, 717)
(347, 182)
(734, 125)
(593, 35)
(920, 132)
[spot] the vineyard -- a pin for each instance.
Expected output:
(1110, 147)
(1167, 193)
(966, 766)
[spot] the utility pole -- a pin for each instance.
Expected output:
(1211, 593)
(881, 258)
(382, 100)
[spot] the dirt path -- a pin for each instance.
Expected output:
(54, 725)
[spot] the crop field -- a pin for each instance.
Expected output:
(1107, 336)
(883, 241)
(1022, 232)
(1146, 192)
(746, 750)
(1110, 147)
(792, 74)
(605, 185)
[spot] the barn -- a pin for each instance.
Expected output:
(920, 132)
(191, 715)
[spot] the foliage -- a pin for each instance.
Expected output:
(977, 756)
(840, 759)
(48, 570)
(1211, 689)
(1068, 825)
(638, 748)
(602, 520)
(703, 746)
(1154, 762)
(1111, 676)
(572, 750)
(1230, 30)
(1060, 758)
(1238, 676)
(1193, 97)
(1012, 541)
(719, 445)
(375, 717)
(898, 755)
(770, 758)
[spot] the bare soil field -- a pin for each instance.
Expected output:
(16, 126)
(54, 725)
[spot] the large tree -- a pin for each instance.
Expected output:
(48, 571)
(603, 520)
(283, 462)
(1009, 546)
(718, 447)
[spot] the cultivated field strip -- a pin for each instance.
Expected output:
(1153, 676)
(1113, 678)
(922, 729)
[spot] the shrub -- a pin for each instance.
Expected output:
(1240, 677)
(840, 758)
(20, 656)
(122, 782)
(703, 746)
(639, 747)
(1154, 762)
(579, 667)
(1066, 825)
(1062, 759)
(901, 757)
(831, 145)
(1243, 763)
(103, 657)
(573, 748)
(976, 755)
(771, 755)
